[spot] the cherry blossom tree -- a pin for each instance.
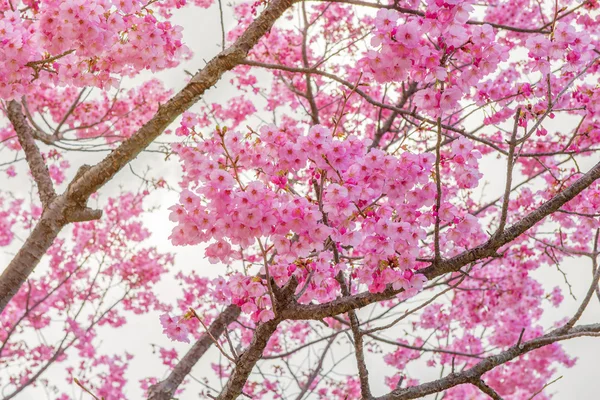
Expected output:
(385, 181)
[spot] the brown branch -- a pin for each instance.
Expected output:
(303, 346)
(38, 132)
(35, 64)
(211, 336)
(486, 389)
(438, 186)
(359, 354)
(165, 389)
(595, 262)
(406, 94)
(34, 158)
(314, 110)
(268, 277)
(544, 387)
(586, 301)
(423, 348)
(85, 389)
(354, 87)
(57, 133)
(247, 360)
(509, 172)
(412, 311)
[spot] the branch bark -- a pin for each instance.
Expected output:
(34, 158)
(248, 359)
(39, 241)
(486, 389)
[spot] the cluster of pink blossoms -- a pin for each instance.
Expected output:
(565, 45)
(420, 49)
(451, 62)
(318, 205)
(83, 43)
(9, 211)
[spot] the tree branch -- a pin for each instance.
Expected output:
(248, 359)
(314, 110)
(510, 163)
(409, 11)
(359, 354)
(315, 373)
(586, 300)
(406, 94)
(354, 87)
(37, 166)
(438, 198)
(486, 389)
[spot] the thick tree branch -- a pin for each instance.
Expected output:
(247, 360)
(486, 389)
(30, 254)
(34, 158)
(165, 390)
